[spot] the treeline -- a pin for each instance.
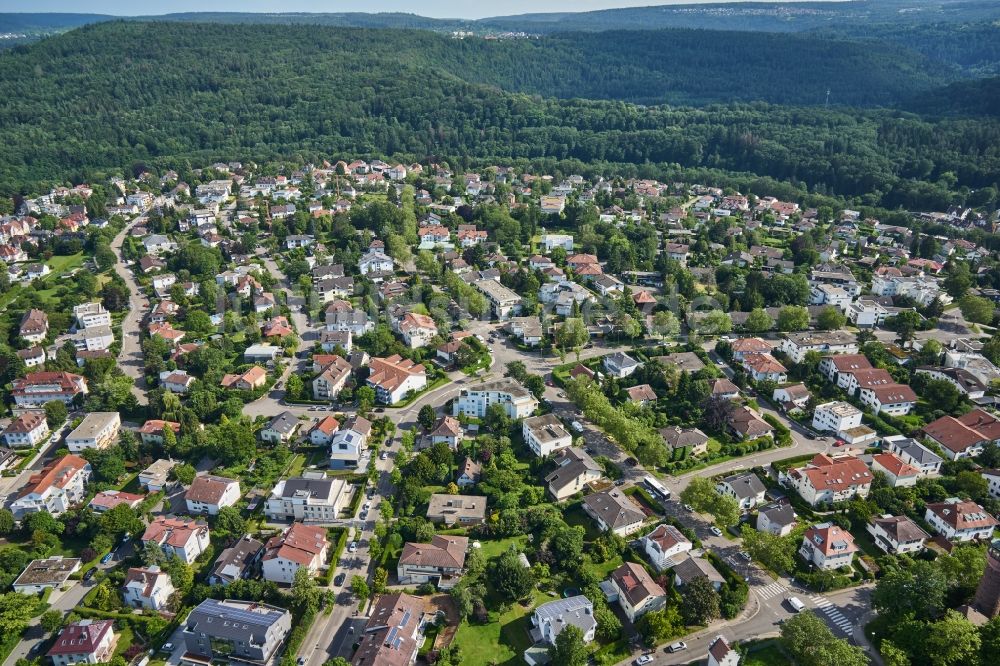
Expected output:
(105, 97)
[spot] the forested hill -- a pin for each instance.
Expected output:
(114, 94)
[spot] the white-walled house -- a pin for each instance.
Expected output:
(300, 546)
(828, 546)
(897, 534)
(663, 544)
(147, 587)
(209, 493)
(545, 434)
(960, 520)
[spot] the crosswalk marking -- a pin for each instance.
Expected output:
(833, 613)
(770, 591)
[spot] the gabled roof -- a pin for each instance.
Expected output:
(962, 514)
(81, 637)
(56, 473)
(900, 528)
(666, 537)
(445, 552)
(635, 583)
(830, 539)
(300, 543)
(209, 489)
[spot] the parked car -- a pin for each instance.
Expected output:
(107, 558)
(353, 548)
(168, 647)
(796, 604)
(384, 456)
(745, 555)
(677, 647)
(688, 507)
(90, 573)
(339, 579)
(715, 530)
(644, 659)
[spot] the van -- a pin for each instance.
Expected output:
(796, 604)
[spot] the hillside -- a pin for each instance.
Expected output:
(111, 95)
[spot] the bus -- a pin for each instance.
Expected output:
(658, 488)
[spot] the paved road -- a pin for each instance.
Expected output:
(130, 359)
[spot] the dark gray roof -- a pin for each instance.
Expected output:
(284, 423)
(779, 514)
(696, 567)
(745, 484)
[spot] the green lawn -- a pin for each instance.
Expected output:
(502, 640)
(577, 516)
(62, 264)
(768, 656)
(295, 467)
(491, 549)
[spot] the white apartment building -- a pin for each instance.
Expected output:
(311, 500)
(836, 416)
(516, 400)
(98, 430)
(545, 434)
(88, 315)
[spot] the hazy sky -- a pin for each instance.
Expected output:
(435, 8)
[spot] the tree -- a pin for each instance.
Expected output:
(42, 521)
(811, 643)
(941, 394)
(380, 580)
(229, 521)
(716, 322)
(295, 387)
(952, 640)
(6, 521)
(359, 588)
(121, 519)
(830, 319)
(977, 309)
(758, 321)
(958, 280)
(892, 655)
(572, 334)
(659, 625)
(51, 621)
(305, 592)
(665, 324)
(792, 318)
(14, 613)
(699, 601)
(569, 649)
(365, 395)
(184, 473)
(511, 578)
(496, 419)
(919, 591)
(777, 553)
(427, 416)
(700, 493)
(55, 413)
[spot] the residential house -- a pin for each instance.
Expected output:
(526, 329)
(233, 630)
(447, 430)
(147, 587)
(835, 367)
(456, 510)
(35, 356)
(636, 591)
(545, 434)
(37, 388)
(314, 500)
(184, 537)
(34, 326)
(792, 397)
(745, 423)
(827, 546)
(744, 487)
(828, 480)
(504, 302)
(777, 518)
(394, 632)
(281, 429)
(992, 478)
(395, 377)
(469, 473)
(691, 568)
(209, 493)
(620, 364)
(55, 488)
(893, 399)
(897, 534)
(322, 432)
(575, 470)
(664, 545)
(614, 512)
(332, 378)
(967, 383)
(106, 500)
(965, 436)
(764, 368)
(442, 561)
(89, 315)
(836, 416)
(27, 429)
(417, 329)
(516, 400)
(84, 642)
(960, 520)
(643, 394)
(300, 546)
(250, 380)
(694, 439)
(348, 443)
(238, 562)
(721, 653)
(176, 381)
(898, 473)
(914, 453)
(155, 477)
(743, 346)
(49, 573)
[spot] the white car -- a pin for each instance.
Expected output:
(644, 659)
(353, 547)
(677, 647)
(715, 530)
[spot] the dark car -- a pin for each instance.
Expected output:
(631, 462)
(339, 579)
(90, 573)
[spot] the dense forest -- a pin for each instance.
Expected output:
(111, 94)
